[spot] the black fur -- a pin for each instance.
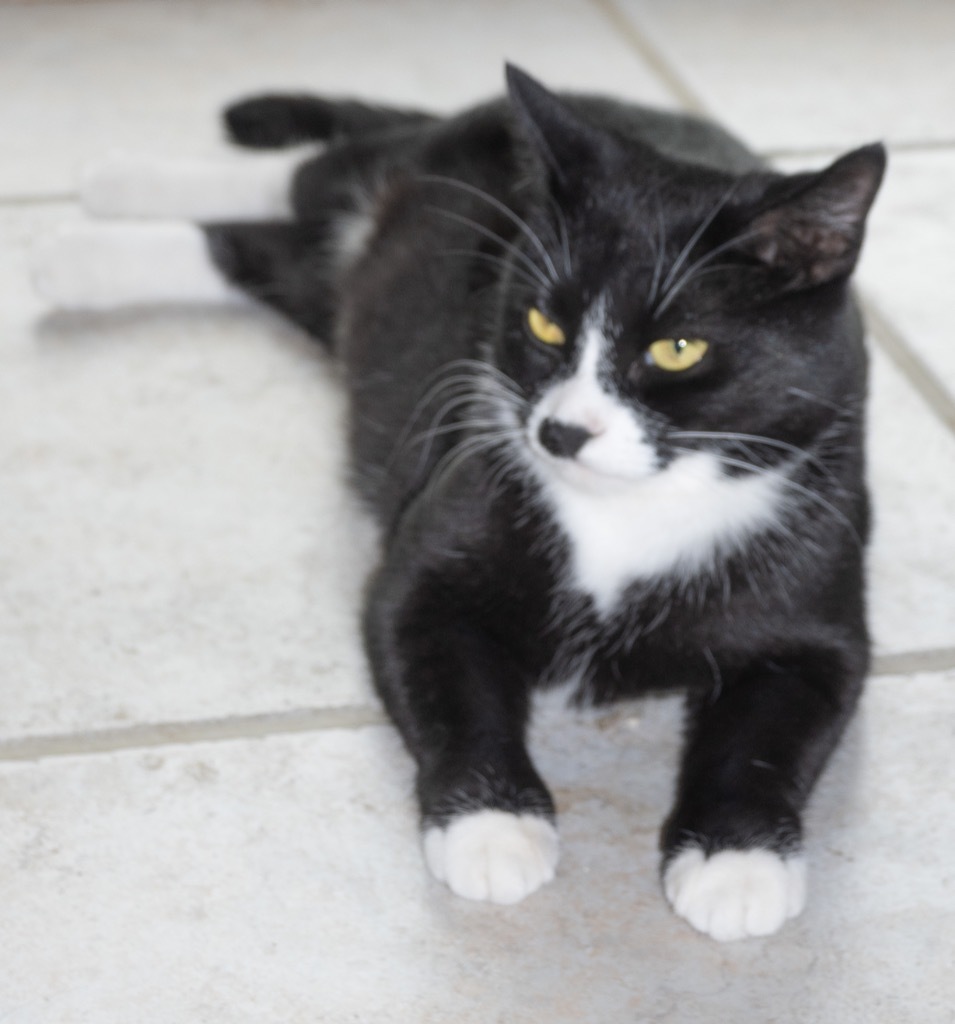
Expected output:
(470, 608)
(268, 122)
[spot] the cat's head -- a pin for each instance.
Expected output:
(657, 302)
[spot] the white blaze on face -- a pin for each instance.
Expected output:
(618, 450)
(626, 515)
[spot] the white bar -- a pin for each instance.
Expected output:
(248, 187)
(105, 266)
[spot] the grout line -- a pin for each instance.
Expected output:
(822, 152)
(212, 730)
(909, 662)
(908, 363)
(919, 146)
(691, 100)
(317, 720)
(38, 199)
(681, 91)
(830, 150)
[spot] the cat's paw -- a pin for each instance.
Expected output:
(493, 855)
(734, 894)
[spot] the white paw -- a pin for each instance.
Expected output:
(493, 855)
(734, 894)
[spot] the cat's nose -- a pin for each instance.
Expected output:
(563, 439)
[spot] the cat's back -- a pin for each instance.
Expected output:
(674, 134)
(487, 134)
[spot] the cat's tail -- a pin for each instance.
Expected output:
(275, 121)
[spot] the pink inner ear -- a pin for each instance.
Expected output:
(766, 249)
(815, 235)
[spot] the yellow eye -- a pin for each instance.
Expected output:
(675, 354)
(544, 329)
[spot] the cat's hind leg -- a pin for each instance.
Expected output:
(292, 261)
(292, 267)
(152, 250)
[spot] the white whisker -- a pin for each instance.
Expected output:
(660, 240)
(503, 208)
(672, 290)
(563, 236)
(493, 236)
(496, 261)
(687, 249)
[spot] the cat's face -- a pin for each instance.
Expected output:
(660, 307)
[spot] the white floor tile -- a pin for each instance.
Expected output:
(814, 73)
(281, 880)
(909, 261)
(178, 538)
(912, 476)
(78, 80)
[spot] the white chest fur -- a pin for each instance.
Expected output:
(674, 522)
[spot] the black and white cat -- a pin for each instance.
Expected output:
(607, 383)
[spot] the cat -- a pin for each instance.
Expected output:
(607, 383)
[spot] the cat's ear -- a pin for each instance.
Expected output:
(569, 148)
(813, 233)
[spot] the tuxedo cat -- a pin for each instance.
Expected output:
(607, 382)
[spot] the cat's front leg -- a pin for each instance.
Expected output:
(733, 863)
(461, 705)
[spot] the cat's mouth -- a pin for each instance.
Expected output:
(588, 458)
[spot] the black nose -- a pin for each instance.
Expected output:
(563, 439)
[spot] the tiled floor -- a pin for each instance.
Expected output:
(202, 814)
